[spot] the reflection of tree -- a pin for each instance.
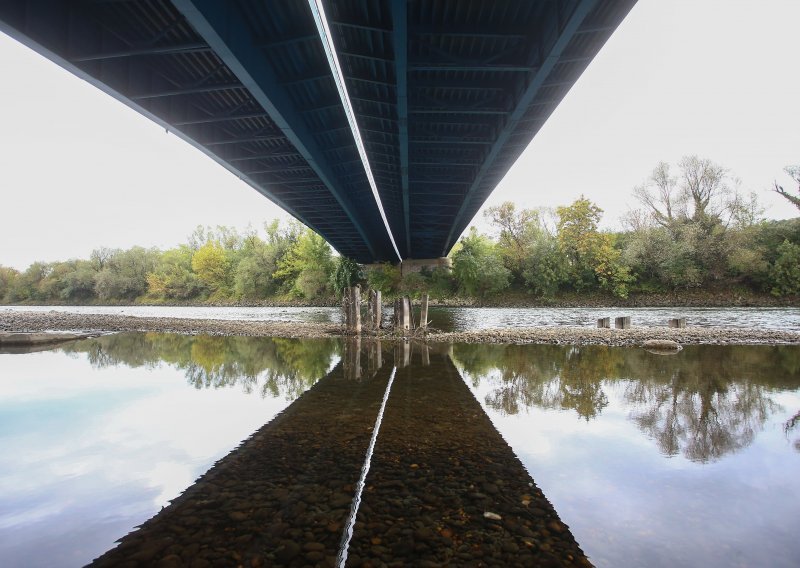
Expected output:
(789, 426)
(705, 402)
(548, 376)
(276, 367)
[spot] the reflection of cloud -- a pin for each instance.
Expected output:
(171, 478)
(186, 429)
(104, 448)
(627, 505)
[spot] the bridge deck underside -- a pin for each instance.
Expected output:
(447, 94)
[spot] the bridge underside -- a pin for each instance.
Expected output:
(446, 94)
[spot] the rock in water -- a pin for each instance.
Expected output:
(662, 346)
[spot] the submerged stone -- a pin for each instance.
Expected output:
(662, 345)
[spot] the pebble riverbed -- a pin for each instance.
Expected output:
(17, 321)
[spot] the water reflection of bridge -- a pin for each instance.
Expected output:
(443, 485)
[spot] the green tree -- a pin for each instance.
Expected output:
(384, 277)
(545, 267)
(253, 279)
(307, 266)
(591, 256)
(709, 224)
(124, 275)
(442, 282)
(478, 268)
(7, 277)
(785, 273)
(517, 231)
(77, 282)
(346, 273)
(212, 267)
(173, 278)
(26, 287)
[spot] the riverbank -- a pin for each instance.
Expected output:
(724, 298)
(27, 322)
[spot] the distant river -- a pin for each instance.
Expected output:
(463, 319)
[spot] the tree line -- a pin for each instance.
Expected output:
(693, 230)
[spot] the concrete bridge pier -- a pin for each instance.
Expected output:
(411, 265)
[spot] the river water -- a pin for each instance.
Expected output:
(465, 319)
(651, 460)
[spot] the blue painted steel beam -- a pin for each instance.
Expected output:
(400, 41)
(570, 28)
(194, 90)
(220, 118)
(224, 29)
(134, 52)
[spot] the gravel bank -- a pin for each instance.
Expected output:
(60, 321)
(622, 337)
(54, 321)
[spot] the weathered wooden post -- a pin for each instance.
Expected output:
(375, 314)
(423, 313)
(346, 309)
(402, 314)
(370, 317)
(623, 322)
(604, 322)
(406, 313)
(355, 309)
(378, 310)
(677, 322)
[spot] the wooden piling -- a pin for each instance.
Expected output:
(406, 313)
(377, 312)
(423, 313)
(346, 309)
(677, 322)
(604, 322)
(623, 322)
(355, 309)
(370, 307)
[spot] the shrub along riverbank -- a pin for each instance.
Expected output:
(695, 242)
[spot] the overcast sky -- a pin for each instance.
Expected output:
(716, 78)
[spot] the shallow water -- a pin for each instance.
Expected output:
(98, 435)
(465, 319)
(652, 460)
